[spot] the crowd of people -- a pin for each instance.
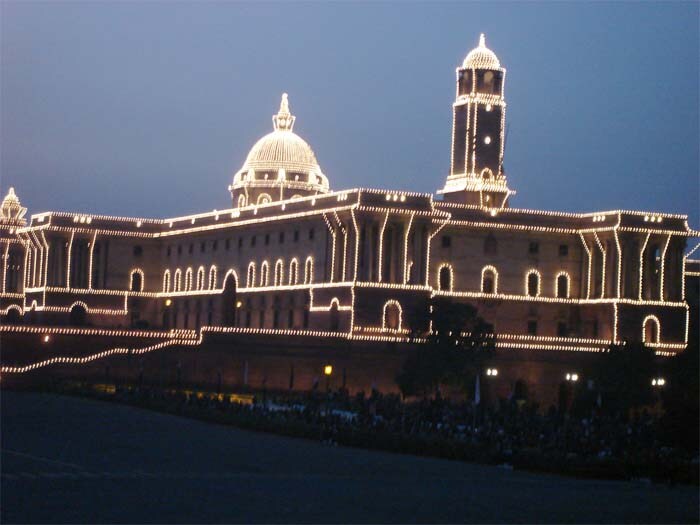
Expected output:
(511, 433)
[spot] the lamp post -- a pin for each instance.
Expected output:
(328, 371)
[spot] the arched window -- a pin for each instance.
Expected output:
(200, 278)
(136, 284)
(293, 272)
(532, 283)
(229, 304)
(335, 316)
(250, 279)
(178, 280)
(78, 314)
(445, 278)
(241, 201)
(264, 198)
(188, 279)
(489, 280)
(562, 286)
(279, 273)
(651, 330)
(309, 270)
(166, 281)
(391, 316)
(490, 245)
(212, 277)
(264, 274)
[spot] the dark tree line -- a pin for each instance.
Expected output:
(457, 349)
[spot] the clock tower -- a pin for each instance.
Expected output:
(479, 115)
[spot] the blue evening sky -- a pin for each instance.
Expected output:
(147, 109)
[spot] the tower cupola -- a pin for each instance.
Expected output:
(478, 132)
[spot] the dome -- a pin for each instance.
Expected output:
(481, 57)
(280, 165)
(281, 149)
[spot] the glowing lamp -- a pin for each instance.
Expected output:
(328, 370)
(46, 338)
(168, 302)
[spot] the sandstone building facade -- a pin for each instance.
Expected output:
(296, 260)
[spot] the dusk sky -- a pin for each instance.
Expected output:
(148, 109)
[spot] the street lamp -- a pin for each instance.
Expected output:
(572, 377)
(492, 372)
(658, 382)
(327, 371)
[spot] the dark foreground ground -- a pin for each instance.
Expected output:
(81, 461)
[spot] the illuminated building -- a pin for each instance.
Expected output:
(294, 260)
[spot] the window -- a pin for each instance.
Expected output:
(308, 270)
(200, 278)
(240, 243)
(293, 272)
(334, 317)
(252, 240)
(311, 234)
(267, 239)
(190, 249)
(392, 316)
(296, 235)
(563, 250)
(227, 244)
(533, 283)
(281, 238)
(212, 277)
(202, 247)
(534, 247)
(446, 241)
(179, 250)
(532, 327)
(169, 250)
(264, 271)
(136, 284)
(138, 251)
(279, 273)
(489, 280)
(563, 285)
(166, 281)
(562, 329)
(490, 245)
(445, 278)
(250, 279)
(651, 330)
(214, 245)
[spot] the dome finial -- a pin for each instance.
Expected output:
(482, 40)
(284, 120)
